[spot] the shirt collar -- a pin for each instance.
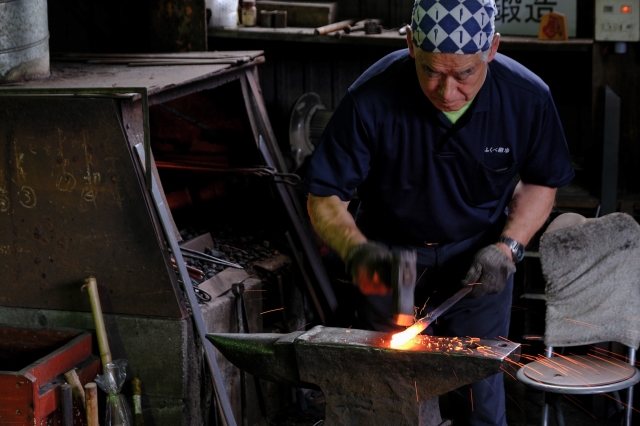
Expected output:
(484, 95)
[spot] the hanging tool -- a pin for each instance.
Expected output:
(333, 27)
(223, 403)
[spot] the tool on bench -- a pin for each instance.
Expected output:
(333, 27)
(369, 26)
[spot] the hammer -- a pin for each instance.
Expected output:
(403, 281)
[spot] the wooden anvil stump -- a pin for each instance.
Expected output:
(365, 382)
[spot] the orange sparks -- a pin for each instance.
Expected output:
(617, 400)
(454, 373)
(398, 340)
(511, 375)
(302, 326)
(581, 323)
(514, 401)
(576, 403)
(471, 395)
(494, 391)
(273, 310)
(420, 277)
(415, 383)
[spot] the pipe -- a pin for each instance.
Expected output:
(24, 40)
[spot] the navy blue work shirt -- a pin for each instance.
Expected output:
(419, 177)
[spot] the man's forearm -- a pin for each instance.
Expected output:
(334, 224)
(528, 211)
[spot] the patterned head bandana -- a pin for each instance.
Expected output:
(453, 26)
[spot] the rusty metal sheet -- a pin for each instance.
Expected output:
(71, 206)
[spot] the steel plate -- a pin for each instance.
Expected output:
(72, 205)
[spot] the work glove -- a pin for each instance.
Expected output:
(369, 265)
(491, 267)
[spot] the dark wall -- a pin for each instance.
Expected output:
(127, 26)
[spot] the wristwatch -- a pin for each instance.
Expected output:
(517, 249)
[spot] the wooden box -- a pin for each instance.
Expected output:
(32, 364)
(299, 14)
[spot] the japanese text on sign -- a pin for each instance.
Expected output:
(522, 17)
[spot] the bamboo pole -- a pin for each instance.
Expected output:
(103, 343)
(136, 388)
(91, 391)
(76, 387)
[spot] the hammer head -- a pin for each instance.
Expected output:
(403, 280)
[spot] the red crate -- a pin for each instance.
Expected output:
(32, 365)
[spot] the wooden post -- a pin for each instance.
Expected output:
(76, 386)
(92, 404)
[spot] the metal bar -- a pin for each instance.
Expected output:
(147, 138)
(227, 75)
(447, 304)
(218, 385)
(67, 404)
(237, 290)
(611, 142)
(627, 410)
(545, 405)
(211, 258)
(186, 118)
(307, 281)
(307, 245)
(256, 380)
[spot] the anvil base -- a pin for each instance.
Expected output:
(365, 382)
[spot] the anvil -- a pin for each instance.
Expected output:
(365, 382)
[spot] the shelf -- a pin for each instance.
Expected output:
(389, 38)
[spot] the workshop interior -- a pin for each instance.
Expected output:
(168, 259)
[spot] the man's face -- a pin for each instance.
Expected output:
(450, 80)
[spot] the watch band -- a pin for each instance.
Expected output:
(517, 249)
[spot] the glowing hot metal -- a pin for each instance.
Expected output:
(399, 340)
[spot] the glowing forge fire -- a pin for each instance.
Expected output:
(398, 340)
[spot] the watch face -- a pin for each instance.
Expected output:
(517, 249)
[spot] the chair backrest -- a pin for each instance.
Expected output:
(592, 273)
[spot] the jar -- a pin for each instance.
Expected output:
(249, 13)
(224, 13)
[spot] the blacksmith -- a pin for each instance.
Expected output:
(456, 152)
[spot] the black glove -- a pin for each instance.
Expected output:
(369, 265)
(491, 267)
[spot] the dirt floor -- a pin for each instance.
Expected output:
(524, 408)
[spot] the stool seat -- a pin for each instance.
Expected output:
(578, 374)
